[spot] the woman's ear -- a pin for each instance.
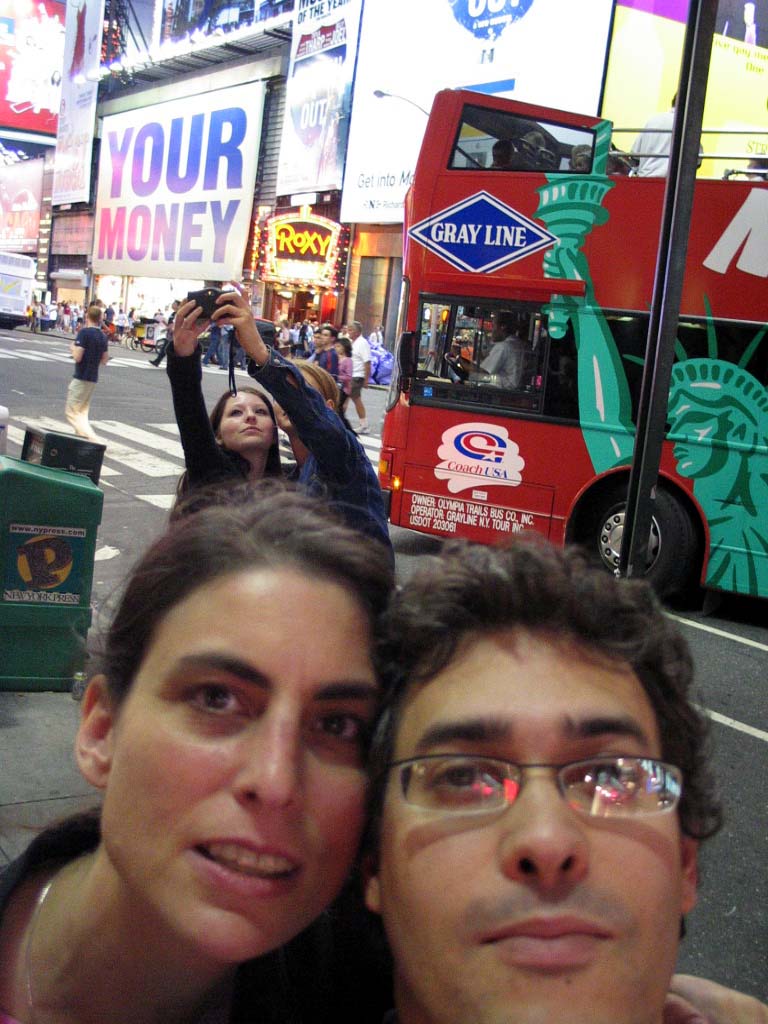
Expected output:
(330, 404)
(95, 736)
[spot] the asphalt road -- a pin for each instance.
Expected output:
(728, 932)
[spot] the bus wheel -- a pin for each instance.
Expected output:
(673, 548)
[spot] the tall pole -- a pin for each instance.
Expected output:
(667, 286)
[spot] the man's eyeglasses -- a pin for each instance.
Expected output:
(602, 787)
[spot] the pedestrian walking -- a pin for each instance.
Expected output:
(90, 351)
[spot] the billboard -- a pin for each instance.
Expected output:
(176, 185)
(31, 55)
(644, 69)
(80, 82)
(539, 51)
(177, 20)
(319, 95)
(21, 189)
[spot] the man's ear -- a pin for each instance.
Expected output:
(369, 869)
(689, 851)
(94, 743)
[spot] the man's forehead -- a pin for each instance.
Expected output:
(505, 687)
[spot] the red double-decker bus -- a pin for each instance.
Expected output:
(527, 281)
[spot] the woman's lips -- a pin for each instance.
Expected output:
(257, 863)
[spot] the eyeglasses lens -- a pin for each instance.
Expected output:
(606, 787)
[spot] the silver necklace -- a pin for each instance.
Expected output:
(28, 951)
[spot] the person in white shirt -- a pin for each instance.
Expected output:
(654, 142)
(506, 360)
(361, 371)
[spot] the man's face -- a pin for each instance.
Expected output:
(535, 914)
(323, 340)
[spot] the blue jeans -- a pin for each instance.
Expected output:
(216, 348)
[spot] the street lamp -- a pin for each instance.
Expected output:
(381, 94)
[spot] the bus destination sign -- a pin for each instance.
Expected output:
(481, 234)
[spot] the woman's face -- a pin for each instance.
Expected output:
(233, 776)
(246, 424)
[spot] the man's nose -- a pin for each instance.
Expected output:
(269, 765)
(544, 843)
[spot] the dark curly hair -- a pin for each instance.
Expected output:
(530, 585)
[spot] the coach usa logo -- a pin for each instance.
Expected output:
(481, 234)
(487, 19)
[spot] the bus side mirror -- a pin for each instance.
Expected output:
(408, 354)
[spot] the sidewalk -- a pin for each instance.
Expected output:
(39, 779)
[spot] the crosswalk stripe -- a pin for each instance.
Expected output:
(139, 435)
(158, 500)
(57, 357)
(167, 428)
(20, 354)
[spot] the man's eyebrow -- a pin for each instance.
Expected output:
(468, 730)
(352, 689)
(606, 725)
(489, 730)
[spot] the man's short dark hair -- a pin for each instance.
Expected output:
(471, 590)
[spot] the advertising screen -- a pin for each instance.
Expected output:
(176, 184)
(31, 56)
(21, 189)
(177, 20)
(644, 69)
(80, 82)
(319, 100)
(539, 51)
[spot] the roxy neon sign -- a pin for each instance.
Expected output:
(301, 248)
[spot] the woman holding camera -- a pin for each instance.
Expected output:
(332, 464)
(229, 749)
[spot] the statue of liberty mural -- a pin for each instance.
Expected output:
(570, 206)
(718, 411)
(718, 414)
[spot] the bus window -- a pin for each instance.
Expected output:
(432, 335)
(485, 354)
(491, 140)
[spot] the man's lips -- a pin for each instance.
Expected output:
(549, 944)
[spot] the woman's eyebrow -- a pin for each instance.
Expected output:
(352, 689)
(226, 663)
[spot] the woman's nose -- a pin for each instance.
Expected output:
(270, 765)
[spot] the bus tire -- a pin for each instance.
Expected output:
(674, 556)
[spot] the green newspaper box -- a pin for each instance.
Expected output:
(48, 524)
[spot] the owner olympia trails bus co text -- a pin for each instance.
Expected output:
(446, 514)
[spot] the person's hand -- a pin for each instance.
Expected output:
(697, 1001)
(282, 419)
(187, 328)
(235, 310)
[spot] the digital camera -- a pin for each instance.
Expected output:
(206, 300)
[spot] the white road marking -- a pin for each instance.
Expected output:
(732, 723)
(19, 354)
(105, 552)
(719, 632)
(139, 435)
(158, 500)
(168, 428)
(57, 357)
